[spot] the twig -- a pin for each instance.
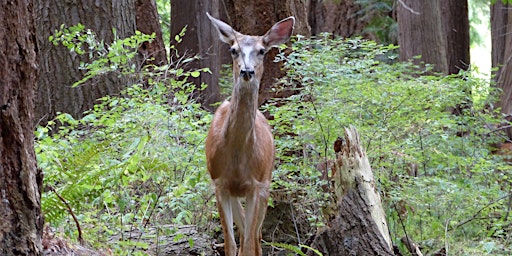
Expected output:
(408, 8)
(407, 239)
(474, 217)
(80, 238)
(446, 243)
(295, 223)
(411, 246)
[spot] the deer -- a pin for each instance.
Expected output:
(239, 146)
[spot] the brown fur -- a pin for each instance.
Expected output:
(239, 146)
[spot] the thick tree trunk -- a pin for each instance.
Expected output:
(337, 17)
(148, 23)
(499, 21)
(421, 33)
(501, 31)
(359, 227)
(59, 67)
(200, 39)
(436, 30)
(21, 222)
(256, 18)
(454, 14)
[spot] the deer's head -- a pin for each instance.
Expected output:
(248, 51)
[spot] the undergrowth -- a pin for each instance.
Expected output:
(429, 139)
(137, 159)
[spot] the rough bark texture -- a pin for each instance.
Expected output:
(353, 232)
(20, 180)
(256, 18)
(421, 33)
(59, 67)
(436, 30)
(200, 39)
(359, 227)
(455, 20)
(499, 22)
(501, 31)
(147, 21)
(336, 17)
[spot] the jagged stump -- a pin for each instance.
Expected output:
(358, 226)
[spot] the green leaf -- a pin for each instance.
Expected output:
(195, 74)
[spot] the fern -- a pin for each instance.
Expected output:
(132, 160)
(294, 248)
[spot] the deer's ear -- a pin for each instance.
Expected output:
(279, 33)
(226, 32)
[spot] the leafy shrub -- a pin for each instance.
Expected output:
(435, 164)
(138, 158)
(134, 159)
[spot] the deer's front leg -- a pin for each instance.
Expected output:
(255, 209)
(239, 218)
(225, 206)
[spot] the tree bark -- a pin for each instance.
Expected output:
(501, 33)
(337, 17)
(20, 179)
(59, 68)
(200, 39)
(455, 20)
(256, 18)
(360, 227)
(436, 30)
(148, 23)
(421, 33)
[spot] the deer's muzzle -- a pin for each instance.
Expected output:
(247, 74)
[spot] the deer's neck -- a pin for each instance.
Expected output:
(244, 105)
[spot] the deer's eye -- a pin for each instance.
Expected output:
(233, 51)
(262, 52)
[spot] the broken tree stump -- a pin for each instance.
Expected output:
(359, 226)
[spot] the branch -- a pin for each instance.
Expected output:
(474, 217)
(80, 238)
(408, 8)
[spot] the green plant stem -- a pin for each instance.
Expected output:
(80, 237)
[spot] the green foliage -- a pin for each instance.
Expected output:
(137, 158)
(503, 1)
(404, 116)
(297, 250)
(134, 159)
(479, 13)
(380, 23)
(116, 57)
(164, 13)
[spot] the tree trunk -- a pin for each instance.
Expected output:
(148, 23)
(256, 18)
(59, 67)
(20, 180)
(436, 30)
(200, 39)
(359, 227)
(421, 33)
(501, 31)
(455, 20)
(337, 17)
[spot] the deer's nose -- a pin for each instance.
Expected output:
(247, 74)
